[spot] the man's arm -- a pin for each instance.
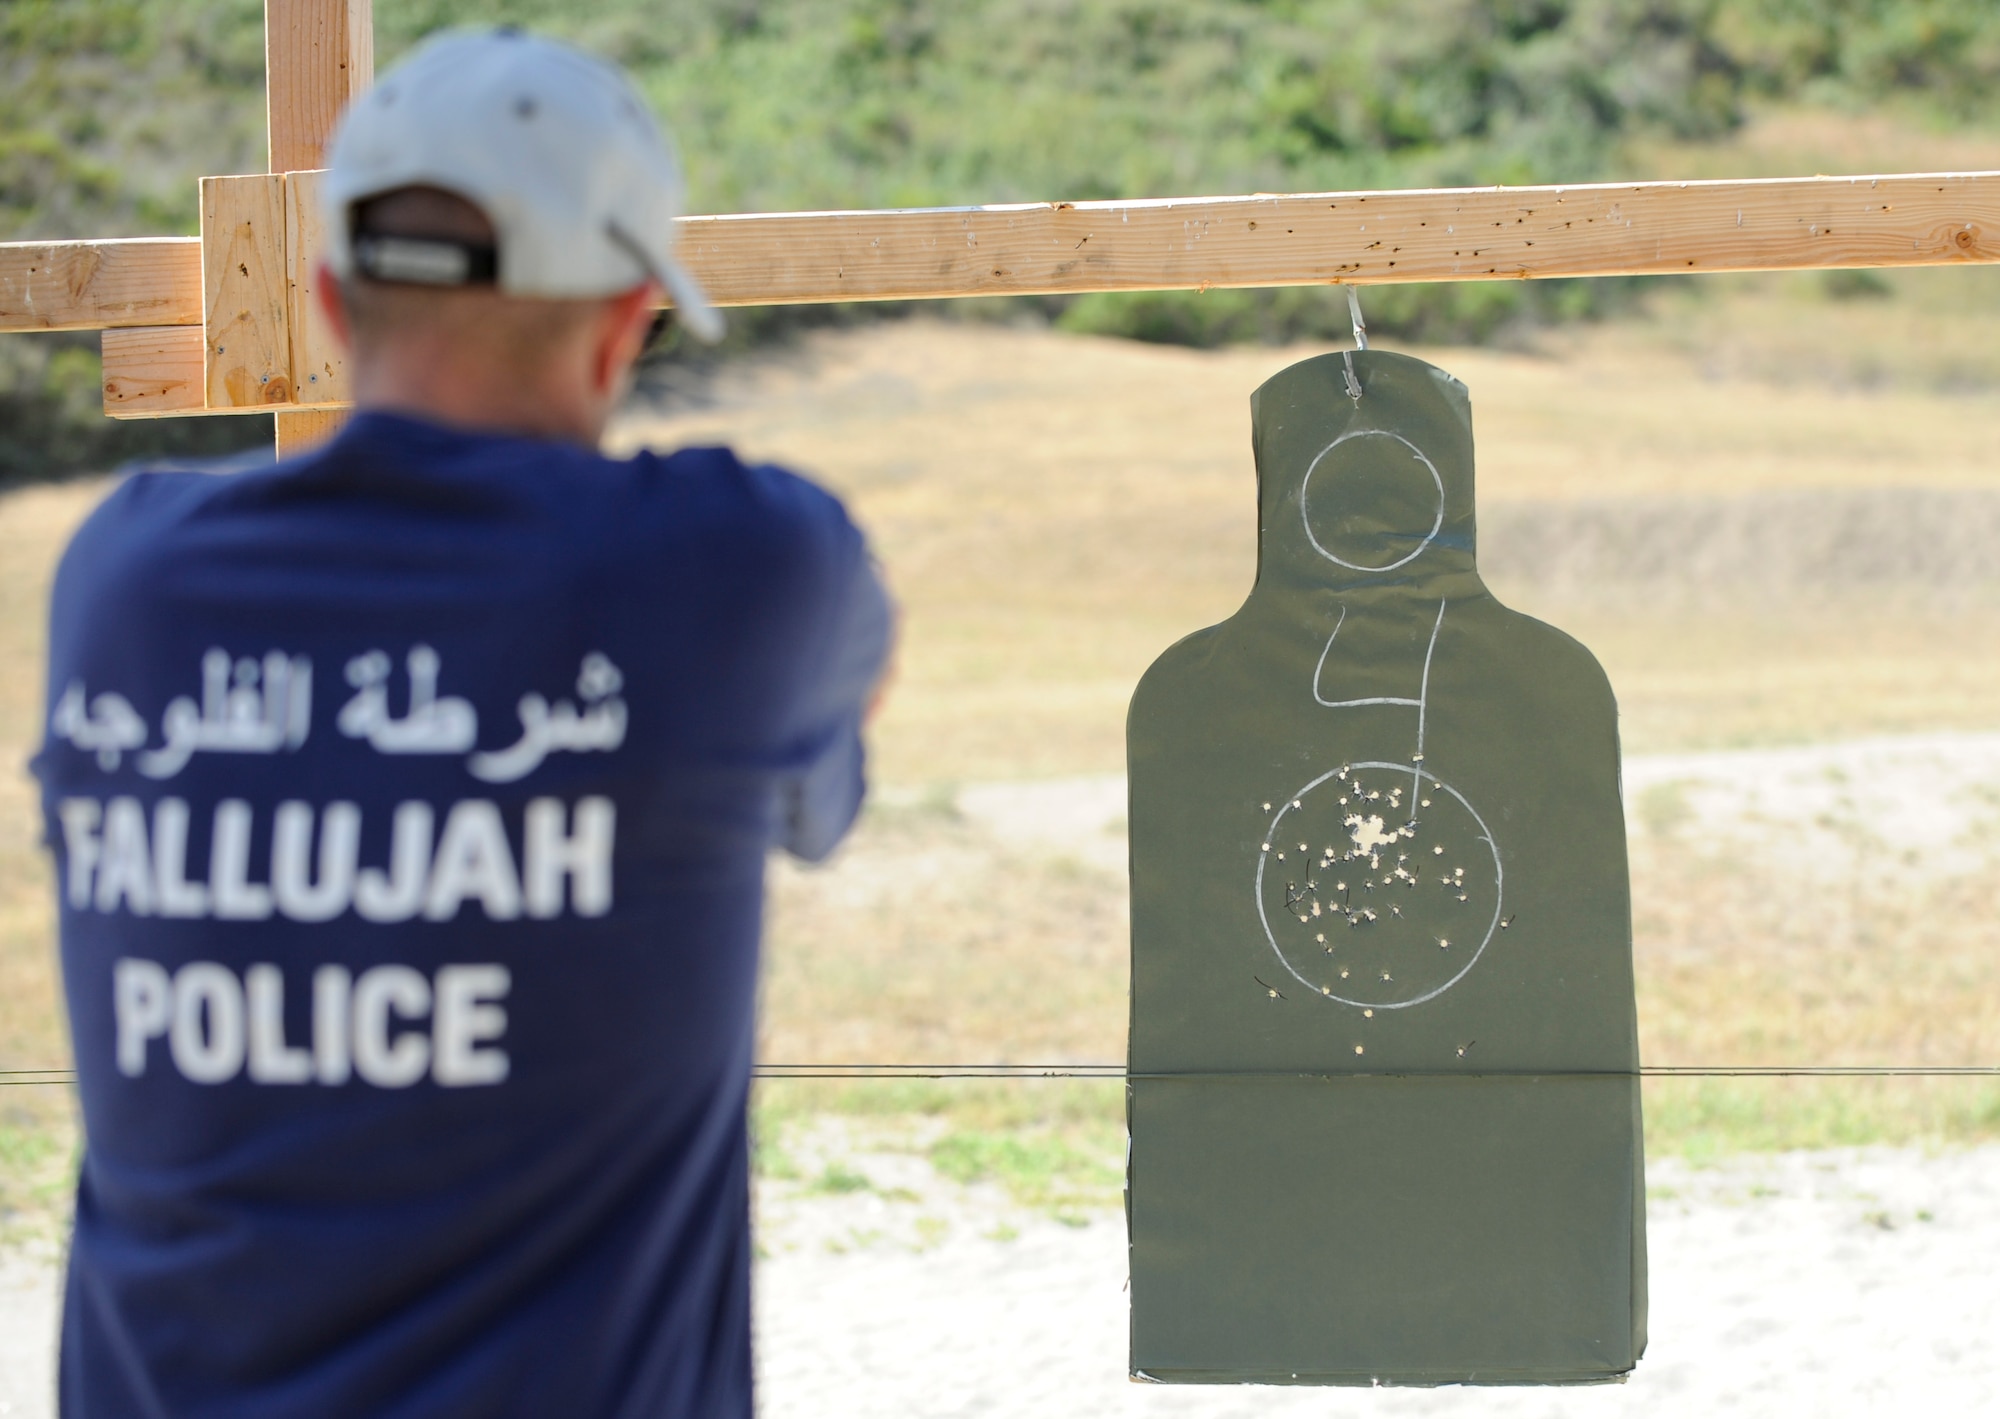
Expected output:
(821, 803)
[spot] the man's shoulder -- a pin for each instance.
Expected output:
(147, 500)
(767, 489)
(707, 490)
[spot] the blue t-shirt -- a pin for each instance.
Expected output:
(410, 804)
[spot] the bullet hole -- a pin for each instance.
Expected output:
(1437, 849)
(1269, 989)
(1466, 1046)
(1508, 920)
(1281, 857)
(1368, 1014)
(1295, 803)
(1321, 938)
(1302, 846)
(1357, 1049)
(1462, 897)
(1444, 943)
(1267, 807)
(1395, 911)
(1416, 758)
(1427, 803)
(1343, 973)
(1265, 848)
(1387, 976)
(1326, 990)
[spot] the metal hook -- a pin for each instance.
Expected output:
(1360, 343)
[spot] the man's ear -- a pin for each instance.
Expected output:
(622, 334)
(333, 305)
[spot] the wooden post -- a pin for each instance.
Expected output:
(318, 54)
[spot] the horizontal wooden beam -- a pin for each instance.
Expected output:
(100, 285)
(161, 371)
(1358, 238)
(154, 371)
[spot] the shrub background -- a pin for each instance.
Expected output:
(110, 109)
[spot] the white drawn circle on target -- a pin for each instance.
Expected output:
(1305, 501)
(1272, 834)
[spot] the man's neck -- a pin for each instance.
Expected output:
(417, 382)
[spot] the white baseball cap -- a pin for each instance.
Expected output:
(554, 146)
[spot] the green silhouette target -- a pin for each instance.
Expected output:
(1384, 1108)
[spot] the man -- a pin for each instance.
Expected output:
(410, 803)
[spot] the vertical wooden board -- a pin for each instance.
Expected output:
(244, 292)
(318, 54)
(319, 360)
(301, 433)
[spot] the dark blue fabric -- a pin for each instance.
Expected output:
(305, 1191)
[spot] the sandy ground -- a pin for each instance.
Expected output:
(1824, 1284)
(29, 1294)
(1851, 1283)
(1854, 1282)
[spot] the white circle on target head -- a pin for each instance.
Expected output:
(1305, 501)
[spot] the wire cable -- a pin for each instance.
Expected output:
(1120, 1072)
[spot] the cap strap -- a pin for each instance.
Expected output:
(426, 261)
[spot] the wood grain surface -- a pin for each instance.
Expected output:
(318, 54)
(245, 291)
(100, 285)
(1366, 238)
(319, 361)
(1360, 238)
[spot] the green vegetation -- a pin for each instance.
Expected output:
(109, 109)
(1037, 1168)
(37, 1173)
(1069, 1166)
